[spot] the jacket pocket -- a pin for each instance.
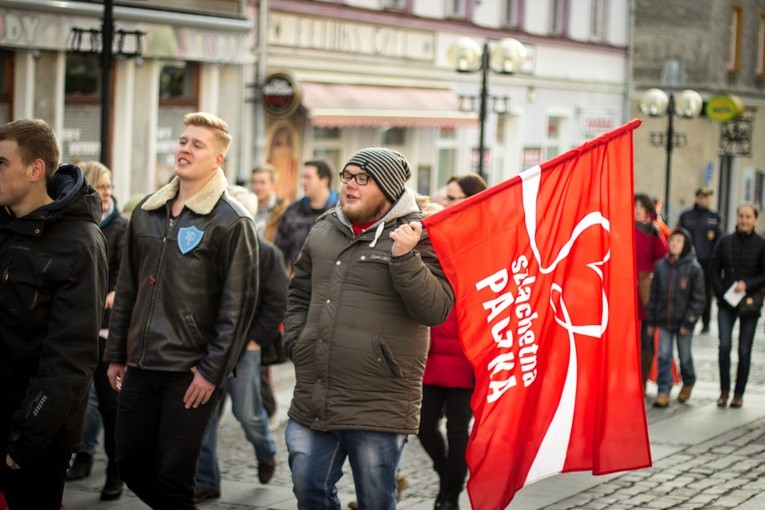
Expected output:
(199, 339)
(384, 353)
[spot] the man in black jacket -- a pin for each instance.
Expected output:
(52, 290)
(186, 295)
(705, 227)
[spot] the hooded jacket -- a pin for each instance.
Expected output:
(52, 290)
(356, 325)
(187, 286)
(677, 289)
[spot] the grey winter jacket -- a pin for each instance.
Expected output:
(356, 326)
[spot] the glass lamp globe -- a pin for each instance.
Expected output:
(465, 55)
(688, 104)
(508, 56)
(654, 103)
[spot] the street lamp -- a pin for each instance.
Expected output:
(656, 103)
(467, 56)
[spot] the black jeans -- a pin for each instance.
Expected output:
(158, 439)
(448, 460)
(36, 487)
(726, 318)
(706, 313)
(107, 406)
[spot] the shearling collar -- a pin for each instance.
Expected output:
(201, 203)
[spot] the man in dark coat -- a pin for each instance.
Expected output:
(52, 290)
(705, 227)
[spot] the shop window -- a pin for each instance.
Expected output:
(761, 46)
(759, 187)
(512, 14)
(323, 133)
(597, 20)
(447, 165)
(558, 17)
(178, 83)
(82, 82)
(80, 138)
(6, 86)
(456, 9)
(734, 49)
(394, 136)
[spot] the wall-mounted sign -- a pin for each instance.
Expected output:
(724, 107)
(282, 94)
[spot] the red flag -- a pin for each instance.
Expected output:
(543, 269)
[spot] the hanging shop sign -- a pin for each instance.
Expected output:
(724, 107)
(282, 94)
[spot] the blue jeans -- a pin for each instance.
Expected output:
(247, 406)
(687, 374)
(91, 427)
(316, 460)
(726, 318)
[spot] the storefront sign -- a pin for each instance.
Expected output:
(341, 36)
(724, 107)
(282, 94)
(595, 124)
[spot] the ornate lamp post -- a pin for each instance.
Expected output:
(657, 103)
(467, 56)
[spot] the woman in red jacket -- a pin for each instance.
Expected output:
(448, 386)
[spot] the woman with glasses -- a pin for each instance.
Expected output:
(113, 225)
(448, 385)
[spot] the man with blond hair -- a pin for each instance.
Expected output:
(53, 266)
(185, 298)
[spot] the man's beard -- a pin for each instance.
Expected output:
(367, 213)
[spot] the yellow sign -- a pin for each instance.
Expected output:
(724, 107)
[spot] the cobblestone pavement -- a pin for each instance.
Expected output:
(722, 471)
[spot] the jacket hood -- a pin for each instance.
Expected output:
(404, 206)
(73, 198)
(688, 250)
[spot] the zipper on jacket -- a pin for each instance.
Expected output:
(170, 223)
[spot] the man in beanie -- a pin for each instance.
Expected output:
(705, 227)
(364, 290)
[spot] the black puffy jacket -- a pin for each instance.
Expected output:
(53, 267)
(187, 288)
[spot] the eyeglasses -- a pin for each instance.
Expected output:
(361, 179)
(107, 187)
(454, 199)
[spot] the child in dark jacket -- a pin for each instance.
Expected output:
(677, 300)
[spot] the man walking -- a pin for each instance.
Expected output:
(52, 291)
(301, 214)
(270, 207)
(363, 291)
(185, 298)
(705, 227)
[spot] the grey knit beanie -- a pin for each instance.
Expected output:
(389, 169)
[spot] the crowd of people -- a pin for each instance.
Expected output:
(680, 273)
(140, 324)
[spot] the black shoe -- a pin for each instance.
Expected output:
(80, 468)
(203, 493)
(112, 489)
(266, 470)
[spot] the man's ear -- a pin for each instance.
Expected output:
(38, 171)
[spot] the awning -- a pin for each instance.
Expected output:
(336, 105)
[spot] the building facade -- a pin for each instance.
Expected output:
(717, 48)
(376, 72)
(170, 57)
